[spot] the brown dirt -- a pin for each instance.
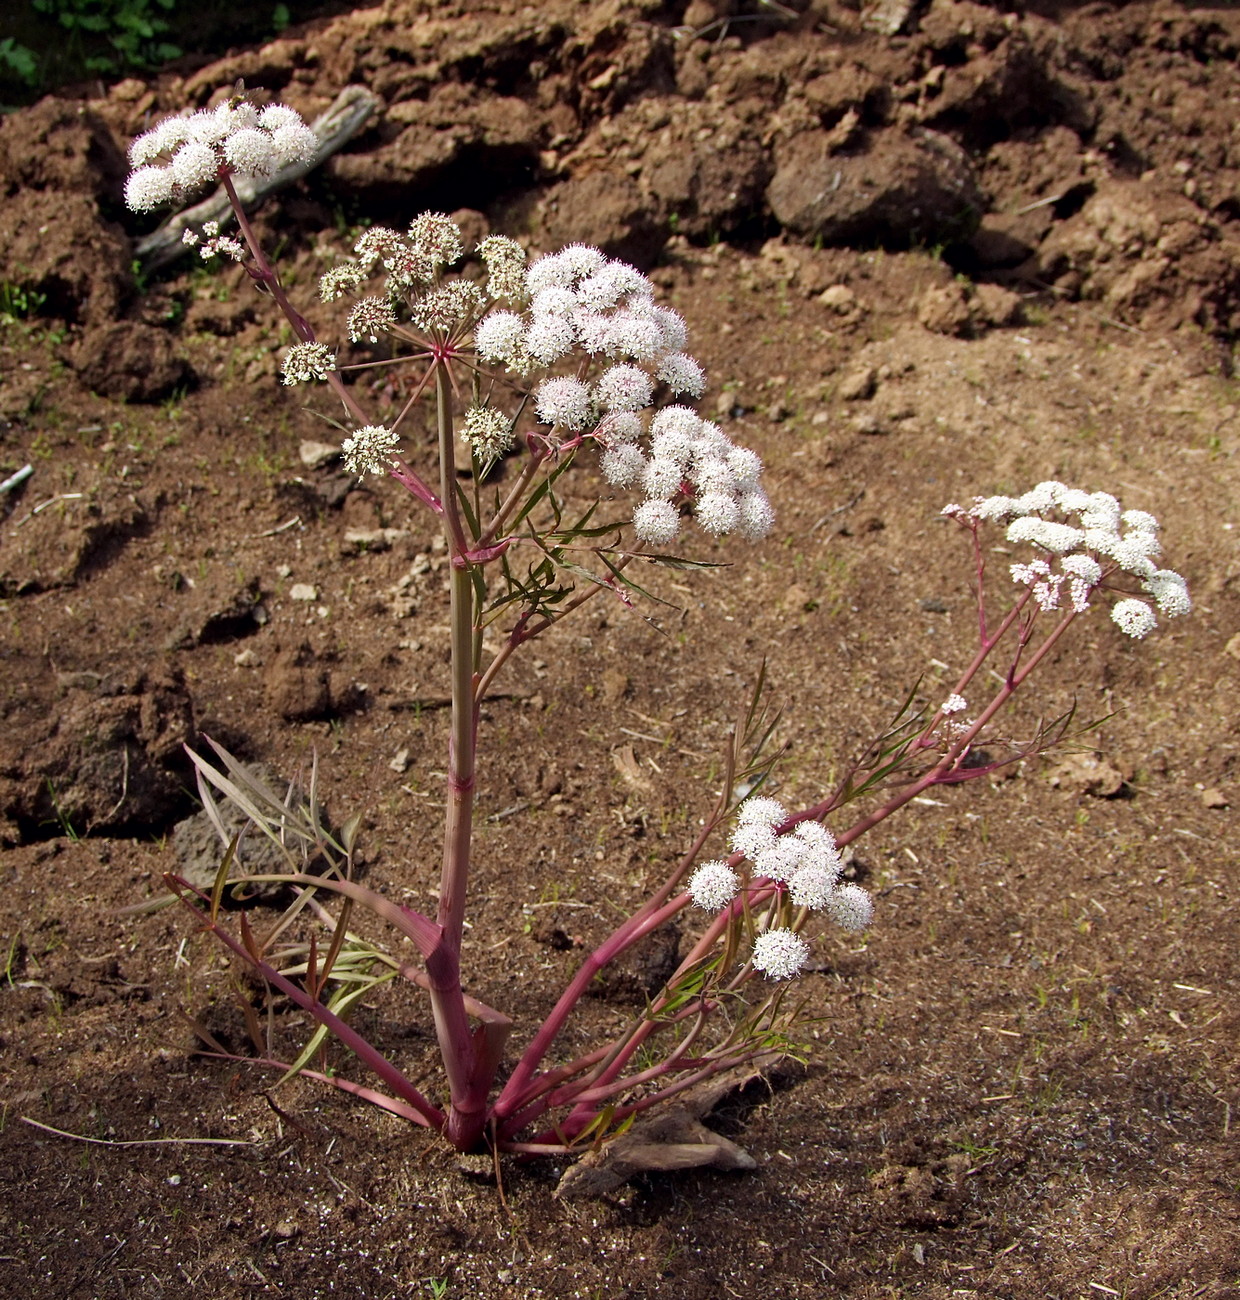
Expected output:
(1023, 1079)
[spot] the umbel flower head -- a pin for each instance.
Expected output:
(584, 337)
(803, 862)
(182, 154)
(1098, 543)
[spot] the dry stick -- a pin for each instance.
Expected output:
(347, 115)
(137, 1142)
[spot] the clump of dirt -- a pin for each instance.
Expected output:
(924, 251)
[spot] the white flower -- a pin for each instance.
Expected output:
(713, 885)
(675, 445)
(757, 518)
(378, 244)
(304, 361)
(600, 291)
(582, 260)
(678, 419)
(672, 324)
(630, 335)
(717, 513)
(746, 466)
(812, 886)
(340, 280)
(369, 449)
(293, 143)
(1084, 567)
(1170, 592)
(504, 259)
(549, 270)
(149, 187)
(780, 954)
(618, 427)
(661, 479)
(994, 508)
(1043, 497)
(370, 318)
(709, 475)
(563, 402)
(274, 116)
(657, 522)
(1140, 521)
(624, 388)
(436, 239)
(194, 165)
(1134, 617)
(489, 432)
(682, 374)
(251, 152)
(761, 811)
(499, 336)
(447, 305)
(954, 704)
(623, 464)
(1056, 538)
(554, 300)
(549, 338)
(781, 859)
(851, 907)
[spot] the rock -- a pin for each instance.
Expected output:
(400, 761)
(107, 762)
(298, 686)
(858, 385)
(314, 455)
(303, 591)
(606, 211)
(839, 298)
(73, 538)
(944, 309)
(887, 17)
(1087, 774)
(1232, 647)
(1214, 798)
(904, 189)
(358, 541)
(997, 306)
(130, 361)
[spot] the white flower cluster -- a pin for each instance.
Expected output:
(233, 138)
(412, 261)
(369, 449)
(804, 861)
(578, 298)
(215, 244)
(1077, 557)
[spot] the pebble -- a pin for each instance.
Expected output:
(247, 659)
(400, 761)
(859, 385)
(303, 591)
(839, 297)
(314, 455)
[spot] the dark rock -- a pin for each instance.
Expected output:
(111, 762)
(903, 189)
(130, 361)
(298, 685)
(606, 211)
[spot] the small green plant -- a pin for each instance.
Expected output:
(18, 302)
(18, 61)
(132, 28)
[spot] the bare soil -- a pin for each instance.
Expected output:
(1022, 1080)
